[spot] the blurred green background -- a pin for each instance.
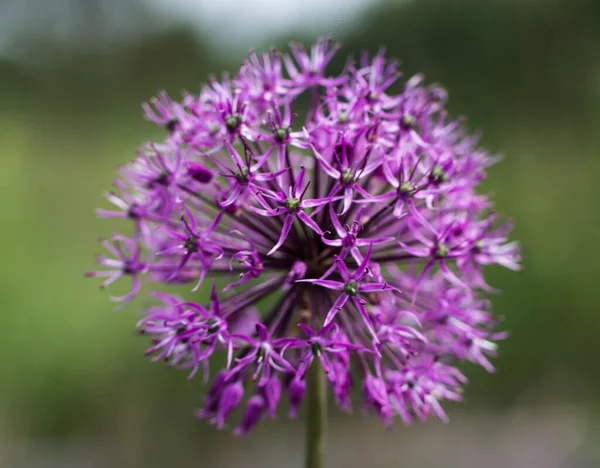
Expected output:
(75, 388)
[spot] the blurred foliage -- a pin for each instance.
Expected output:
(526, 72)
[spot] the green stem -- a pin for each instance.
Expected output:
(316, 415)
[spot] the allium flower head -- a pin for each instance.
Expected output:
(352, 239)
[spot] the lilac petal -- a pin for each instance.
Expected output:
(296, 390)
(421, 278)
(299, 183)
(237, 159)
(136, 285)
(366, 318)
(262, 332)
(281, 149)
(328, 168)
(233, 195)
(372, 164)
(285, 230)
(437, 408)
(339, 229)
(337, 305)
(399, 207)
(343, 269)
(102, 213)
(373, 240)
(113, 276)
(285, 343)
(241, 364)
(413, 211)
(418, 140)
(362, 268)
(389, 175)
(200, 279)
(251, 341)
(229, 354)
(170, 250)
(309, 222)
(272, 394)
(307, 330)
(356, 255)
(325, 363)
(328, 328)
(191, 220)
(280, 364)
(347, 200)
(268, 213)
(231, 397)
(369, 197)
(332, 243)
(269, 176)
(197, 307)
(330, 270)
(336, 285)
(262, 160)
(416, 251)
(279, 197)
(255, 410)
(313, 202)
(375, 287)
(451, 276)
(214, 299)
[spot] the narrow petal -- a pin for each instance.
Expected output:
(362, 268)
(347, 200)
(375, 287)
(317, 202)
(328, 168)
(299, 182)
(337, 306)
(366, 318)
(339, 229)
(285, 230)
(343, 269)
(302, 216)
(416, 251)
(336, 285)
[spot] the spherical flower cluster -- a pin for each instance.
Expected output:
(355, 230)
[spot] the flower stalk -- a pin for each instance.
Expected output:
(316, 416)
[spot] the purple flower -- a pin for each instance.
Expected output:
(186, 334)
(351, 238)
(222, 399)
(126, 262)
(166, 113)
(352, 161)
(375, 398)
(333, 349)
(296, 390)
(321, 345)
(310, 69)
(264, 353)
(250, 262)
(281, 135)
(351, 287)
(292, 204)
(348, 237)
(191, 244)
(255, 411)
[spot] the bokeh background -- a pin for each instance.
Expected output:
(75, 388)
